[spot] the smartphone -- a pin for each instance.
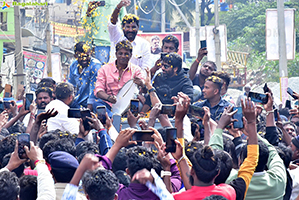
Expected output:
(259, 98)
(7, 90)
(170, 139)
(265, 88)
(101, 111)
(84, 114)
(29, 99)
(101, 3)
(134, 106)
(95, 137)
(144, 135)
(288, 104)
(6, 104)
(203, 43)
(1, 106)
(116, 121)
(73, 113)
(23, 140)
(275, 114)
(168, 109)
(239, 117)
(197, 111)
(291, 92)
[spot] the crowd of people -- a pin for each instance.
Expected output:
(91, 158)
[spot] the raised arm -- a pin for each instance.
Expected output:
(193, 69)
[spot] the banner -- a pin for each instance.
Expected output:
(272, 43)
(67, 30)
(34, 67)
(155, 40)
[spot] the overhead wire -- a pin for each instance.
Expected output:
(145, 12)
(175, 4)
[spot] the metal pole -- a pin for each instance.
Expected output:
(283, 70)
(217, 38)
(197, 24)
(48, 38)
(162, 16)
(19, 62)
(135, 10)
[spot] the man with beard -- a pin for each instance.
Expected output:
(205, 71)
(64, 98)
(170, 82)
(130, 25)
(43, 97)
(83, 75)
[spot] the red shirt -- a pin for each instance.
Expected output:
(198, 193)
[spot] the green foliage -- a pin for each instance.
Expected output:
(246, 33)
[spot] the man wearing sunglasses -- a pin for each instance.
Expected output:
(172, 80)
(83, 75)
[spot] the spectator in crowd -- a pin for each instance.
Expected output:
(130, 26)
(226, 81)
(65, 96)
(247, 89)
(83, 75)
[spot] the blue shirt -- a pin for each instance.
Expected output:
(84, 83)
(217, 110)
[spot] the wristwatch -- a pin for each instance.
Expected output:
(165, 173)
(152, 90)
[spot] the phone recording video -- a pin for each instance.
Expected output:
(29, 99)
(163, 54)
(101, 111)
(203, 44)
(288, 104)
(291, 93)
(196, 111)
(168, 109)
(1, 106)
(171, 135)
(6, 104)
(257, 97)
(144, 135)
(84, 114)
(239, 116)
(134, 106)
(73, 113)
(23, 140)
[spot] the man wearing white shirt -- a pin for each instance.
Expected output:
(130, 25)
(64, 97)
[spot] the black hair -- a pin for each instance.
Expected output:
(205, 164)
(9, 186)
(171, 38)
(216, 80)
(174, 60)
(226, 165)
(86, 147)
(100, 183)
(192, 147)
(79, 47)
(130, 18)
(46, 138)
(123, 177)
(285, 154)
(263, 156)
(7, 145)
(125, 44)
(28, 187)
(229, 147)
(215, 197)
(64, 90)
(223, 75)
(19, 170)
(120, 160)
(47, 82)
(44, 89)
(18, 127)
(213, 64)
(64, 144)
(290, 123)
(139, 158)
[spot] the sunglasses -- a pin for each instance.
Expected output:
(165, 65)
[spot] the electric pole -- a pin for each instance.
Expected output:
(217, 38)
(48, 38)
